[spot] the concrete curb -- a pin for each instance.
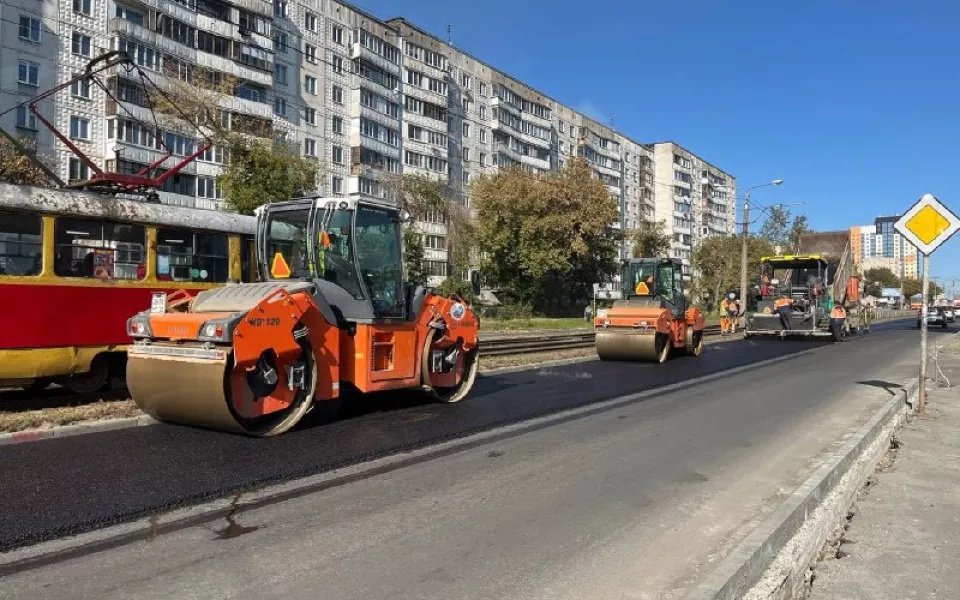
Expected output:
(35, 435)
(774, 560)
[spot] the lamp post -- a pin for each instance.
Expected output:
(746, 242)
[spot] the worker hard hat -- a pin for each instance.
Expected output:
(732, 296)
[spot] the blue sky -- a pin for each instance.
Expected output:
(853, 103)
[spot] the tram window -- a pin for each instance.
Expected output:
(21, 247)
(192, 256)
(248, 268)
(94, 249)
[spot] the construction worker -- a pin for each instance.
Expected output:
(724, 321)
(784, 308)
(733, 312)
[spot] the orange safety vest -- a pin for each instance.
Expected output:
(782, 302)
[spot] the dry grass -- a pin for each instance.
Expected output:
(43, 418)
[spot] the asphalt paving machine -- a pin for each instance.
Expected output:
(331, 315)
(805, 296)
(653, 316)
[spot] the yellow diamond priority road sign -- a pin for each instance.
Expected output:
(928, 224)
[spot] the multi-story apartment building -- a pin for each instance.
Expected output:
(879, 245)
(368, 99)
(693, 198)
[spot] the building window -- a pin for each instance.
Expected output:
(280, 42)
(310, 21)
(466, 105)
(466, 155)
(466, 130)
(280, 106)
(80, 89)
(337, 34)
(483, 159)
(337, 64)
(78, 170)
(337, 155)
(337, 94)
(80, 44)
(310, 53)
(309, 147)
(28, 73)
(95, 249)
(280, 9)
(30, 29)
(25, 118)
(79, 128)
(337, 184)
(336, 125)
(207, 188)
(483, 135)
(310, 116)
(82, 7)
(482, 88)
(310, 84)
(483, 112)
(280, 74)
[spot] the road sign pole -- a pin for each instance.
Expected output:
(927, 225)
(924, 299)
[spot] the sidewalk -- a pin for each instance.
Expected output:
(904, 538)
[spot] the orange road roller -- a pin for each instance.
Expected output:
(332, 314)
(652, 318)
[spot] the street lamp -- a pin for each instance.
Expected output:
(746, 242)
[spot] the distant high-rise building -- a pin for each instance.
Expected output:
(880, 246)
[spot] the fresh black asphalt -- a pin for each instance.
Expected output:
(66, 486)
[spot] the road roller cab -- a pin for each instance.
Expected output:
(332, 313)
(653, 315)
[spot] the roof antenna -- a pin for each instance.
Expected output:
(448, 34)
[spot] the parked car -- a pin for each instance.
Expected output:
(950, 314)
(935, 316)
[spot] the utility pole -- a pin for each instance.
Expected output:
(744, 250)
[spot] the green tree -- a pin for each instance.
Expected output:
(783, 229)
(18, 168)
(716, 262)
(874, 280)
(912, 287)
(413, 256)
(545, 239)
(650, 240)
(260, 166)
(424, 197)
(262, 171)
(798, 227)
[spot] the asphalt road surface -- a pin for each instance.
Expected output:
(636, 500)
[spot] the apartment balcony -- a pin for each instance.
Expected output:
(359, 110)
(496, 102)
(146, 156)
(536, 120)
(255, 6)
(424, 94)
(413, 118)
(535, 141)
(614, 189)
(534, 161)
(381, 90)
(132, 31)
(377, 146)
(250, 107)
(358, 50)
(508, 151)
(218, 27)
(425, 148)
(227, 65)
